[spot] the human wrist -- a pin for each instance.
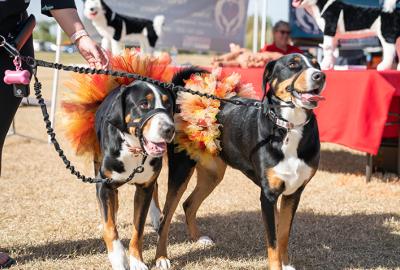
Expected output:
(75, 37)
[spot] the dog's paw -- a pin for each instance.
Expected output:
(117, 257)
(163, 263)
(136, 264)
(384, 66)
(327, 63)
(287, 267)
(205, 241)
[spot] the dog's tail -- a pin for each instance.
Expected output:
(158, 23)
(184, 74)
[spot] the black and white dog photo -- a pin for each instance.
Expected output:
(339, 17)
(117, 30)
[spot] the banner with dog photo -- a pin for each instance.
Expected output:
(191, 25)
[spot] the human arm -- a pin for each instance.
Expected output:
(64, 12)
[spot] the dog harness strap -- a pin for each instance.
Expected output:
(139, 125)
(291, 89)
(146, 117)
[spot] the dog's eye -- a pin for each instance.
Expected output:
(293, 65)
(144, 105)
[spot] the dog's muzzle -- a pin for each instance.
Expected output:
(310, 98)
(167, 131)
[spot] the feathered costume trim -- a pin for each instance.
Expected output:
(197, 127)
(88, 91)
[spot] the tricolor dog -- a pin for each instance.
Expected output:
(277, 147)
(117, 29)
(133, 125)
(334, 16)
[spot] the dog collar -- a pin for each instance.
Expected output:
(280, 122)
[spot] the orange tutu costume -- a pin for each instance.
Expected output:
(197, 130)
(88, 91)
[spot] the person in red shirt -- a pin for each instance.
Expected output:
(281, 36)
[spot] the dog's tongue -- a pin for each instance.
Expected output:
(296, 3)
(310, 97)
(155, 148)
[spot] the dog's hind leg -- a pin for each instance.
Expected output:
(108, 203)
(181, 168)
(287, 211)
(142, 200)
(155, 212)
(96, 163)
(207, 180)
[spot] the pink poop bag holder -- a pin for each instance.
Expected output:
(17, 76)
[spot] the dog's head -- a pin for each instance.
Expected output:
(158, 24)
(93, 8)
(303, 3)
(139, 100)
(295, 78)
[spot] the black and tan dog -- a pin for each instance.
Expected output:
(133, 125)
(278, 150)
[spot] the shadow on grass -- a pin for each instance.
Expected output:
(317, 242)
(342, 162)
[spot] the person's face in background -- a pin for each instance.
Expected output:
(282, 36)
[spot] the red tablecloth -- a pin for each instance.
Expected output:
(356, 107)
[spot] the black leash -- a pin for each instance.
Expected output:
(170, 86)
(34, 63)
(67, 162)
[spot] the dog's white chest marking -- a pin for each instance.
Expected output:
(101, 26)
(292, 170)
(132, 161)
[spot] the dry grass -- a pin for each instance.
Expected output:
(48, 220)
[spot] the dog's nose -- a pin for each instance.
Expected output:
(318, 76)
(168, 131)
(92, 9)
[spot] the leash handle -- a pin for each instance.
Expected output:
(26, 32)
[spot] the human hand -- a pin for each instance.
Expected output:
(92, 52)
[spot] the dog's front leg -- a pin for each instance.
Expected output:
(116, 47)
(106, 43)
(108, 204)
(142, 201)
(389, 52)
(287, 211)
(328, 48)
(268, 208)
(271, 187)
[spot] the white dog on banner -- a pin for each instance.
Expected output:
(117, 29)
(338, 17)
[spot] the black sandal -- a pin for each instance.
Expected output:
(6, 261)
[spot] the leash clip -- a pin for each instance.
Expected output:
(8, 47)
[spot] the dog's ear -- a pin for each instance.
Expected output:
(267, 76)
(116, 117)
